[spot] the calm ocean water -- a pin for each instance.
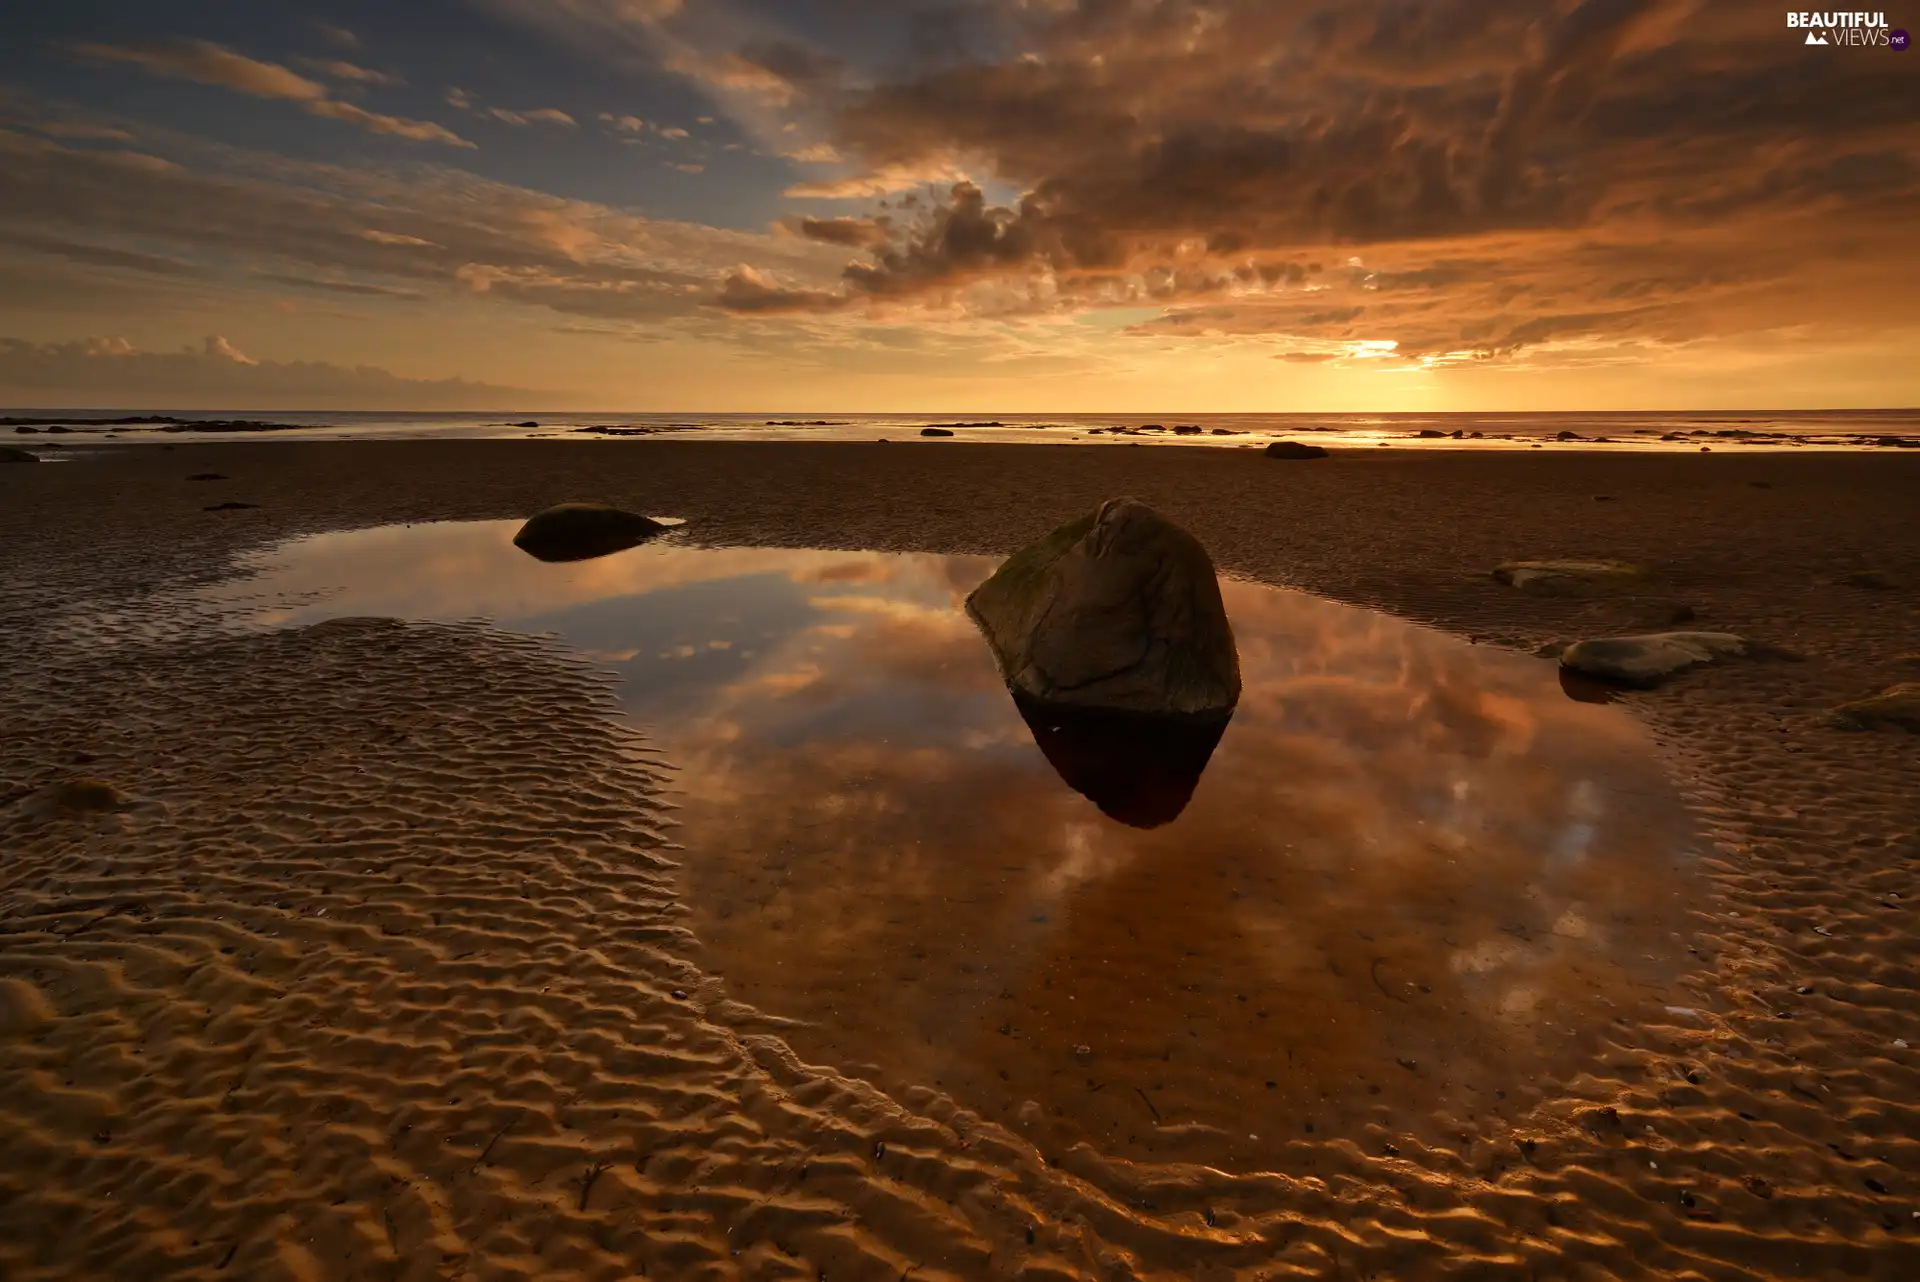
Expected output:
(1747, 429)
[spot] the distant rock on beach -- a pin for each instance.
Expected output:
(1896, 706)
(1295, 450)
(1650, 658)
(581, 531)
(1566, 576)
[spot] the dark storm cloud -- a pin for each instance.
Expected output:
(1491, 162)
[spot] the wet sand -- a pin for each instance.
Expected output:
(378, 970)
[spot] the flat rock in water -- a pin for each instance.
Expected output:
(1648, 659)
(1896, 706)
(1118, 611)
(8, 454)
(1294, 449)
(580, 531)
(1566, 577)
(935, 431)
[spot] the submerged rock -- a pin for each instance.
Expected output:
(1294, 449)
(581, 531)
(8, 454)
(1566, 577)
(1896, 706)
(1118, 611)
(1646, 660)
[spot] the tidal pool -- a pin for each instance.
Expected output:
(1414, 881)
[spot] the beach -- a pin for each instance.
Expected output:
(375, 961)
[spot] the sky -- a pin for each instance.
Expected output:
(958, 205)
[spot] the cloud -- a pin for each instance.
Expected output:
(81, 131)
(853, 233)
(379, 237)
(360, 288)
(537, 116)
(469, 102)
(881, 180)
(1613, 168)
(422, 230)
(213, 348)
(102, 255)
(339, 36)
(398, 126)
(211, 64)
(207, 63)
(339, 70)
(113, 371)
(748, 290)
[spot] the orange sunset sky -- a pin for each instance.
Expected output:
(884, 205)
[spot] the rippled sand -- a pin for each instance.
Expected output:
(373, 966)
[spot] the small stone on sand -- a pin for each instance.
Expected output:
(1873, 580)
(1650, 658)
(1896, 706)
(1565, 577)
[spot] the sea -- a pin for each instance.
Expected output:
(1636, 430)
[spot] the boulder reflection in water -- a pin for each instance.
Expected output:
(1140, 770)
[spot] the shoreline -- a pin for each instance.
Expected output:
(1814, 826)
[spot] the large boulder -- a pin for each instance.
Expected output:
(1119, 611)
(1649, 659)
(10, 455)
(579, 531)
(1294, 450)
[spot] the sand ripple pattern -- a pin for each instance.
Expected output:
(374, 973)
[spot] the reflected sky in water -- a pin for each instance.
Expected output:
(1415, 876)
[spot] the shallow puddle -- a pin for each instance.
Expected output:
(1414, 879)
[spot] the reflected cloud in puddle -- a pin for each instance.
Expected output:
(1412, 877)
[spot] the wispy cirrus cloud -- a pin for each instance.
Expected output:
(110, 370)
(427, 231)
(207, 63)
(351, 72)
(462, 100)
